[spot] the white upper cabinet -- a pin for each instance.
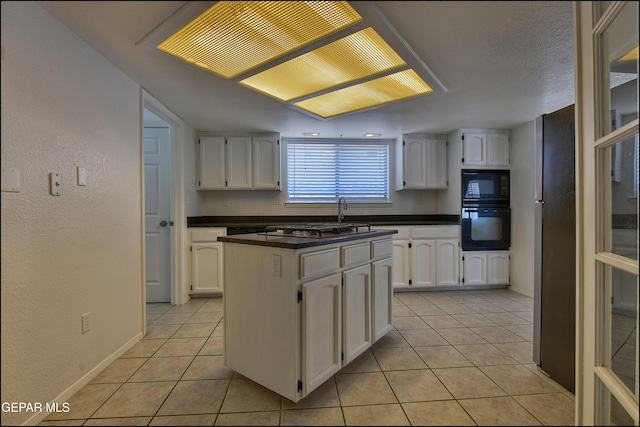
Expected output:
(239, 162)
(421, 162)
(489, 149)
(266, 162)
(212, 171)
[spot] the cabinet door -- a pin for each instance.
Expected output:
(356, 311)
(423, 262)
(447, 257)
(211, 163)
(498, 267)
(382, 297)
(474, 149)
(401, 263)
(266, 163)
(206, 267)
(322, 329)
(238, 157)
(474, 267)
(414, 156)
(498, 150)
(436, 167)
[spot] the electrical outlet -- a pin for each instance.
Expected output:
(85, 323)
(276, 265)
(55, 184)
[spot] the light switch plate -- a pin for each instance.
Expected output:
(11, 180)
(55, 184)
(82, 176)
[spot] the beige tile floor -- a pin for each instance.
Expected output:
(454, 358)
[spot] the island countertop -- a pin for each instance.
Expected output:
(280, 240)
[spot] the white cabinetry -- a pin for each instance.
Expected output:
(485, 268)
(239, 162)
(426, 256)
(305, 313)
(421, 162)
(485, 148)
(207, 269)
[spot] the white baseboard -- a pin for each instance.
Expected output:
(84, 380)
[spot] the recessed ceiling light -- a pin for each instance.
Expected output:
(310, 133)
(372, 135)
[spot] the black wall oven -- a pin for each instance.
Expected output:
(486, 214)
(486, 228)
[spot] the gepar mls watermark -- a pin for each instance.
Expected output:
(35, 407)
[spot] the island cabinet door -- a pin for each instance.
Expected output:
(322, 329)
(382, 297)
(356, 311)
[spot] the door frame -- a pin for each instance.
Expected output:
(178, 231)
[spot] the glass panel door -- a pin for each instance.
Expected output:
(607, 242)
(616, 209)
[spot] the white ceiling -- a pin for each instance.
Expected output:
(502, 63)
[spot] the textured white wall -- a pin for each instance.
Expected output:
(523, 175)
(63, 106)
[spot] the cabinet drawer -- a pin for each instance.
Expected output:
(350, 255)
(207, 234)
(436, 232)
(315, 263)
(381, 248)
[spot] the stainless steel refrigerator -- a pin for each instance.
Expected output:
(555, 247)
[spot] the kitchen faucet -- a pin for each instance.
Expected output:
(340, 209)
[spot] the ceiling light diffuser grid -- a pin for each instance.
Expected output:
(351, 58)
(235, 36)
(394, 87)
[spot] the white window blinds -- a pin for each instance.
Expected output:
(324, 170)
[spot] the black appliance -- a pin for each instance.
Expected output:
(554, 299)
(485, 186)
(486, 228)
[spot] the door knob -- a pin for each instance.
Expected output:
(163, 223)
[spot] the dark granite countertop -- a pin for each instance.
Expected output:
(260, 221)
(292, 242)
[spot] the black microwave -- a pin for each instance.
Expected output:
(487, 187)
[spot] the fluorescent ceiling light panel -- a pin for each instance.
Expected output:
(631, 56)
(323, 58)
(232, 37)
(354, 57)
(395, 87)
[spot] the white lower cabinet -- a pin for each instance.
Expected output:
(290, 329)
(356, 313)
(485, 267)
(382, 316)
(207, 269)
(426, 256)
(322, 327)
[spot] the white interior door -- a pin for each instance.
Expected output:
(157, 203)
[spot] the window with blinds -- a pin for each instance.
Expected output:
(321, 171)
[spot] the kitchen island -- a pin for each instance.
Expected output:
(299, 307)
